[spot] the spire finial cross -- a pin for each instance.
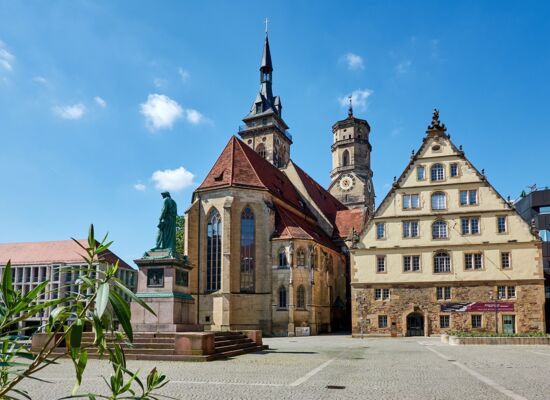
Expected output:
(266, 22)
(350, 110)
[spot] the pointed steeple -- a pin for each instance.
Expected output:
(266, 65)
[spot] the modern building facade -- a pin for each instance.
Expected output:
(445, 251)
(57, 262)
(534, 207)
(265, 240)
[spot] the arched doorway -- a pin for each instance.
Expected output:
(415, 324)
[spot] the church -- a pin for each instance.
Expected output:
(267, 243)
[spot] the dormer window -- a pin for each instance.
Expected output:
(258, 108)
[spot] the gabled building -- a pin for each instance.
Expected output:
(266, 241)
(445, 251)
(59, 262)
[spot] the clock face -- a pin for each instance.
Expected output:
(347, 182)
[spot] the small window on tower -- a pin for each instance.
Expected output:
(259, 108)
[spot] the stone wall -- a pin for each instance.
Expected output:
(407, 299)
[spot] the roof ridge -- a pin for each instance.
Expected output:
(319, 186)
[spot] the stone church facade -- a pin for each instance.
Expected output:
(267, 242)
(444, 251)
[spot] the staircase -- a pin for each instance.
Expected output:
(232, 343)
(161, 346)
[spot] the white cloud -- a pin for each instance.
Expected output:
(6, 58)
(403, 67)
(41, 80)
(184, 74)
(359, 99)
(354, 61)
(100, 102)
(140, 187)
(194, 117)
(73, 111)
(160, 112)
(172, 179)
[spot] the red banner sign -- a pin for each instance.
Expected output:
(478, 307)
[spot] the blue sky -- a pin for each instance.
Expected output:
(103, 104)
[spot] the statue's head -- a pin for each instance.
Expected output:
(165, 194)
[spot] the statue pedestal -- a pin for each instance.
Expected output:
(163, 284)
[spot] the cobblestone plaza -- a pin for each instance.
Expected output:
(338, 367)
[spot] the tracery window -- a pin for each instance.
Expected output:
(213, 251)
(301, 297)
(248, 248)
(301, 257)
(282, 297)
(260, 149)
(283, 263)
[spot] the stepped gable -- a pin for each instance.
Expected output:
(326, 202)
(290, 226)
(239, 165)
(51, 252)
(349, 219)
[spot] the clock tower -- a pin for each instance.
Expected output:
(351, 175)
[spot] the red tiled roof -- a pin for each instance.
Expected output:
(348, 219)
(290, 226)
(326, 202)
(61, 251)
(239, 165)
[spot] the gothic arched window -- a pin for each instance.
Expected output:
(439, 201)
(442, 262)
(283, 263)
(260, 149)
(248, 248)
(437, 172)
(282, 297)
(301, 257)
(439, 229)
(301, 297)
(345, 158)
(213, 251)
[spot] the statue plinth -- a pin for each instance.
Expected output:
(163, 284)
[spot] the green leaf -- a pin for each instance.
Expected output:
(76, 333)
(132, 295)
(102, 299)
(7, 286)
(122, 312)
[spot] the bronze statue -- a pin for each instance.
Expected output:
(166, 237)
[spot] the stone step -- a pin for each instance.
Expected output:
(229, 338)
(231, 341)
(238, 352)
(227, 333)
(236, 346)
(135, 345)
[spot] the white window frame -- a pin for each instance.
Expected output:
(410, 260)
(509, 259)
(472, 259)
(383, 260)
(505, 218)
(408, 203)
(379, 225)
(439, 174)
(443, 293)
(409, 231)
